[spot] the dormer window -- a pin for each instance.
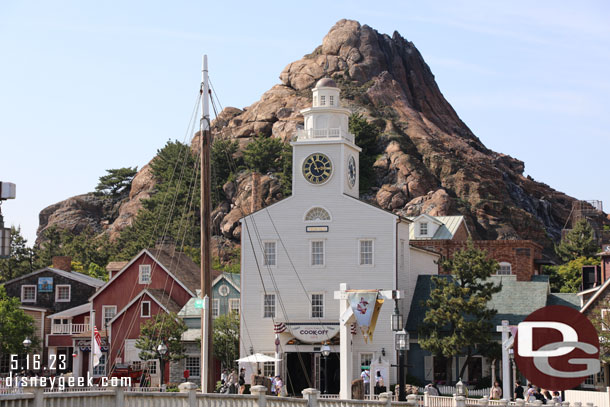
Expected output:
(145, 274)
(331, 99)
(423, 229)
(322, 100)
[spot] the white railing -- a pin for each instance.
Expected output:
(324, 133)
(69, 329)
(439, 401)
(450, 390)
(598, 398)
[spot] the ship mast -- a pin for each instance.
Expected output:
(206, 366)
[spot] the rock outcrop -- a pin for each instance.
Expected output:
(429, 161)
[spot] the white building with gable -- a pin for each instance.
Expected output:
(296, 253)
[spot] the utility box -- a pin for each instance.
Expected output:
(8, 190)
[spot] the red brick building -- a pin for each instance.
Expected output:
(448, 234)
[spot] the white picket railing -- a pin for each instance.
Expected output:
(598, 398)
(69, 329)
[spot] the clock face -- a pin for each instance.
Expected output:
(317, 168)
(351, 171)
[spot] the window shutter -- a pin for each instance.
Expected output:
(428, 368)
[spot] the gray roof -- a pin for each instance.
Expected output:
(514, 302)
(446, 231)
(83, 278)
(326, 82)
(189, 309)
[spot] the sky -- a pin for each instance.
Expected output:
(87, 86)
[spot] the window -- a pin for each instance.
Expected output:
(145, 309)
(269, 306)
(269, 258)
(100, 370)
(62, 293)
(317, 253)
(317, 305)
(28, 293)
(322, 100)
(365, 360)
(192, 365)
(605, 319)
(423, 228)
(215, 308)
(234, 305)
(152, 366)
(366, 252)
(269, 367)
(331, 100)
(317, 214)
(440, 369)
(504, 268)
(145, 274)
(108, 312)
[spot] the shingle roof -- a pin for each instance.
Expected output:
(83, 278)
(514, 302)
(446, 231)
(164, 299)
(180, 265)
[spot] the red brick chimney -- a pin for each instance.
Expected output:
(62, 263)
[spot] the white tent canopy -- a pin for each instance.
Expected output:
(257, 358)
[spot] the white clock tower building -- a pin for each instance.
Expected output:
(296, 253)
(325, 149)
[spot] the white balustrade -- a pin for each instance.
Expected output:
(69, 329)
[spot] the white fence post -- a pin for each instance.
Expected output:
(191, 389)
(565, 404)
(261, 393)
(386, 398)
(459, 401)
(484, 401)
(503, 402)
(589, 404)
(119, 396)
(520, 403)
(577, 404)
(311, 395)
(38, 392)
(426, 399)
(412, 400)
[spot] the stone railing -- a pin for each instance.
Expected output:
(35, 396)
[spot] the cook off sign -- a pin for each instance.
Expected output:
(313, 333)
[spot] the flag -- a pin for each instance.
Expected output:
(97, 347)
(279, 327)
(363, 303)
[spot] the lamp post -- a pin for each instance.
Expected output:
(162, 350)
(325, 353)
(460, 388)
(27, 343)
(401, 344)
(397, 324)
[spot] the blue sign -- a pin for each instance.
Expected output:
(45, 284)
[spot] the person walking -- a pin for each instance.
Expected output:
(379, 385)
(366, 378)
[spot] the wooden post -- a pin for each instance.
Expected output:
(207, 364)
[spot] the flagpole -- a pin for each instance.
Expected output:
(91, 328)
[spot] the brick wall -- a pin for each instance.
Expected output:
(521, 254)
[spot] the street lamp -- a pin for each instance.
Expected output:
(397, 319)
(325, 353)
(401, 344)
(27, 343)
(460, 388)
(162, 349)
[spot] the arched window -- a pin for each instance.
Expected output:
(317, 214)
(504, 269)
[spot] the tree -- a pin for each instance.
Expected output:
(15, 326)
(116, 182)
(264, 154)
(223, 163)
(567, 278)
(601, 322)
(226, 339)
(166, 329)
(457, 319)
(20, 259)
(579, 242)
(50, 247)
(366, 135)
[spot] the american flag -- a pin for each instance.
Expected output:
(278, 328)
(97, 346)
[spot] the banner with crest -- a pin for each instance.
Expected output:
(366, 305)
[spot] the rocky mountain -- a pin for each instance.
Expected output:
(429, 160)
